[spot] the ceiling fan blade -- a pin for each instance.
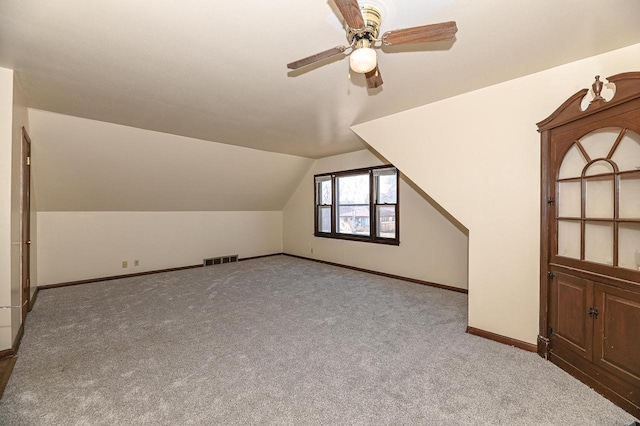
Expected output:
(350, 11)
(374, 79)
(425, 33)
(317, 57)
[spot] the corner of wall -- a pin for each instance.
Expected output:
(6, 124)
(433, 247)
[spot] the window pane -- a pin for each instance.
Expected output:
(323, 188)
(324, 219)
(386, 221)
(354, 220)
(387, 185)
(325, 192)
(353, 189)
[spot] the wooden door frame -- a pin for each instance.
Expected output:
(25, 224)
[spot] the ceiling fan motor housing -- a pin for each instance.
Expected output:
(372, 19)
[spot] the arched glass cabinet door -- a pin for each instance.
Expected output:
(598, 200)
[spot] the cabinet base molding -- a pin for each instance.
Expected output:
(543, 347)
(588, 378)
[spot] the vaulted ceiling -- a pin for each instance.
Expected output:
(217, 71)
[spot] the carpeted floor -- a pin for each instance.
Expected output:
(278, 340)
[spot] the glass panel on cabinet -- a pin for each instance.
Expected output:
(569, 199)
(572, 164)
(627, 154)
(599, 143)
(598, 242)
(630, 196)
(599, 168)
(629, 246)
(569, 238)
(599, 197)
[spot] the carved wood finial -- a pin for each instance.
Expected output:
(625, 87)
(597, 89)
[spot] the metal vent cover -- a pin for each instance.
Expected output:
(220, 260)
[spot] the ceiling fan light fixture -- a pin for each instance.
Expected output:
(362, 25)
(363, 60)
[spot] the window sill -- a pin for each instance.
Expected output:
(384, 241)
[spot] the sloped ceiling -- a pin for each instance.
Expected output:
(87, 165)
(216, 70)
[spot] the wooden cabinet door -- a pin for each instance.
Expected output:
(571, 300)
(617, 333)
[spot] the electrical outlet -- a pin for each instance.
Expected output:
(136, 262)
(311, 250)
(125, 264)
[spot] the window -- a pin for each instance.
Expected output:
(360, 205)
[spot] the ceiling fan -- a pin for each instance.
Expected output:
(363, 26)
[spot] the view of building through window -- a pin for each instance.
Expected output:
(386, 181)
(358, 204)
(354, 208)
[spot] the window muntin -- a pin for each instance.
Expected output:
(358, 205)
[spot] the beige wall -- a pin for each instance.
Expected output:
(83, 245)
(13, 115)
(477, 155)
(108, 193)
(6, 124)
(431, 247)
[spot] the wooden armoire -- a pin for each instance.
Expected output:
(590, 239)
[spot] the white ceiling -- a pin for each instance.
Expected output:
(217, 71)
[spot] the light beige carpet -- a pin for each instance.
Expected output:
(278, 340)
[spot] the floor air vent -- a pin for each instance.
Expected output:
(219, 260)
